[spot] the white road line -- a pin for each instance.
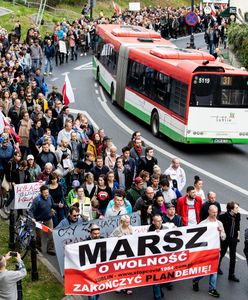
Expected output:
(84, 66)
(97, 92)
(76, 111)
(54, 79)
(168, 154)
(99, 99)
(65, 73)
(85, 69)
(241, 257)
(96, 85)
(241, 210)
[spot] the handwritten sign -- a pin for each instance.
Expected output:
(25, 194)
(73, 234)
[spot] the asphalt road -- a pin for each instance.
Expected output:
(223, 168)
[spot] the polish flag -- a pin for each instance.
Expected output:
(117, 8)
(213, 10)
(67, 92)
(42, 227)
(3, 123)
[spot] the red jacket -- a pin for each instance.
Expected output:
(182, 209)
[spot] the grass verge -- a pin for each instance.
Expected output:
(46, 288)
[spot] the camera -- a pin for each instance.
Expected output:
(13, 254)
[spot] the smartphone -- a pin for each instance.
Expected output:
(13, 254)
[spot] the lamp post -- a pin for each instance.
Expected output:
(192, 39)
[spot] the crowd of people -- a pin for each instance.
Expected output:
(85, 175)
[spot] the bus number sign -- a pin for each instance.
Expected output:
(202, 80)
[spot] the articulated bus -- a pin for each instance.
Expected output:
(182, 93)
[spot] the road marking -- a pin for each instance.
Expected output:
(87, 66)
(96, 85)
(66, 73)
(241, 210)
(93, 123)
(97, 92)
(168, 154)
(54, 79)
(241, 257)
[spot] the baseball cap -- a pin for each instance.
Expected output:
(169, 205)
(30, 156)
(138, 180)
(75, 183)
(94, 227)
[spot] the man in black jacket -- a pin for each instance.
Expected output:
(231, 223)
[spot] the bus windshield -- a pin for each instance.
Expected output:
(219, 91)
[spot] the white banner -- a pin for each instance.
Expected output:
(216, 1)
(25, 194)
(98, 266)
(62, 47)
(134, 6)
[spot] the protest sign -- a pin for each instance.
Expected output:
(25, 194)
(74, 234)
(62, 47)
(105, 265)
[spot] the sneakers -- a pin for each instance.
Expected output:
(45, 73)
(214, 293)
(195, 286)
(50, 73)
(81, 54)
(233, 278)
(3, 215)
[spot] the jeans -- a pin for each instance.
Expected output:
(96, 297)
(35, 64)
(212, 281)
(48, 64)
(156, 292)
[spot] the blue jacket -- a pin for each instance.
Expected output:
(49, 51)
(67, 222)
(6, 155)
(41, 209)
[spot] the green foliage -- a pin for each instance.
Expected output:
(46, 288)
(238, 40)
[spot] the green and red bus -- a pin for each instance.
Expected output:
(184, 94)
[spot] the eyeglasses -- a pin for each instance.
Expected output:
(75, 216)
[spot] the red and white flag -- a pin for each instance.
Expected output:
(213, 10)
(67, 92)
(3, 123)
(42, 227)
(117, 9)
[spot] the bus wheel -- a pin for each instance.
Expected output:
(155, 123)
(112, 92)
(98, 75)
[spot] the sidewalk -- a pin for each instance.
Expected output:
(4, 11)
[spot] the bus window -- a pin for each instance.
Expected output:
(178, 98)
(219, 91)
(162, 89)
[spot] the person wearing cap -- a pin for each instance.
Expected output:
(53, 96)
(72, 193)
(33, 168)
(136, 191)
(172, 217)
(177, 172)
(72, 219)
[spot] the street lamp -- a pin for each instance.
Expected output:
(192, 39)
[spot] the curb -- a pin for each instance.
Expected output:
(57, 275)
